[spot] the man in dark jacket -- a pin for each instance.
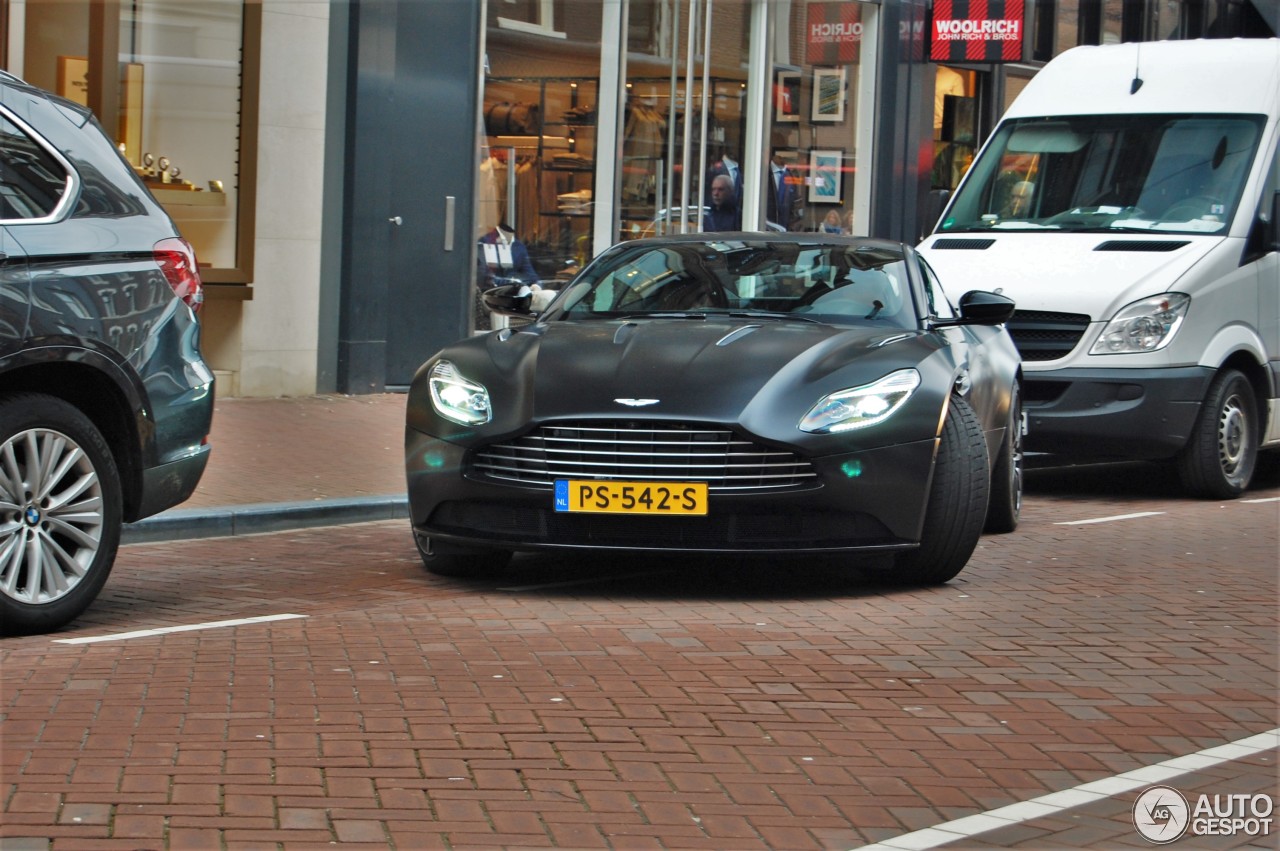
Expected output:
(724, 213)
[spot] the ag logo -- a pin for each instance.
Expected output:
(1161, 814)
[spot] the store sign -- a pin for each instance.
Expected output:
(833, 33)
(976, 31)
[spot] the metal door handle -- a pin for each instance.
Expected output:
(396, 220)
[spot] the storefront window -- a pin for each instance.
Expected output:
(685, 103)
(955, 125)
(180, 114)
(537, 157)
(176, 83)
(822, 72)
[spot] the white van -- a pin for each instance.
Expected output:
(1128, 202)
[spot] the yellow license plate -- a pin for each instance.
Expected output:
(631, 497)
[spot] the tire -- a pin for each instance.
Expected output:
(1219, 459)
(60, 513)
(461, 562)
(957, 505)
(1005, 505)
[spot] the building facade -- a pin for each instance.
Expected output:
(353, 173)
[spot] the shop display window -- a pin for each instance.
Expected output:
(820, 124)
(177, 85)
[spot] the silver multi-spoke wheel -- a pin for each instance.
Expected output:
(60, 512)
(50, 515)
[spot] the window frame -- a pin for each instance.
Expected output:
(71, 187)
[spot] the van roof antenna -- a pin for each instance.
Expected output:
(1137, 80)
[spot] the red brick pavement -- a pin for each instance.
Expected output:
(303, 448)
(715, 706)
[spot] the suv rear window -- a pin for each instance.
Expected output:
(32, 181)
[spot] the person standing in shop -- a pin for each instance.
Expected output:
(724, 213)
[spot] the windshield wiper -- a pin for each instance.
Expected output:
(669, 314)
(768, 314)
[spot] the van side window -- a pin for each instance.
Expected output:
(939, 306)
(31, 180)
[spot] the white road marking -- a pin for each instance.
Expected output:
(1264, 499)
(1110, 519)
(145, 633)
(1086, 793)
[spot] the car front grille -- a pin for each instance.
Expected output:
(1041, 335)
(642, 451)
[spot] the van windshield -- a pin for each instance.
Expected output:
(1161, 173)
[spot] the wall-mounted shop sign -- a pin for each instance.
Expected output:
(977, 31)
(833, 33)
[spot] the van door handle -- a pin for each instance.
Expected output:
(396, 220)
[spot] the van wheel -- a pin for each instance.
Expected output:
(462, 562)
(60, 513)
(1005, 506)
(957, 503)
(1218, 460)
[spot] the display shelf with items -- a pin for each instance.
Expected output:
(165, 181)
(541, 135)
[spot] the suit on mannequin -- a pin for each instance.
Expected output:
(784, 205)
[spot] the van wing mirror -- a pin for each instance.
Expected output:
(980, 307)
(1275, 221)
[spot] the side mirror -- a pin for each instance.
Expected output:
(1275, 221)
(979, 307)
(509, 300)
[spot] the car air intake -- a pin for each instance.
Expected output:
(1157, 245)
(642, 451)
(964, 244)
(1041, 335)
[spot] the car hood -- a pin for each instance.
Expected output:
(1066, 272)
(763, 374)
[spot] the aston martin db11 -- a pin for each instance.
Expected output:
(724, 393)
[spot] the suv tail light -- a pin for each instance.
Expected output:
(177, 259)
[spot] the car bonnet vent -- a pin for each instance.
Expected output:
(964, 244)
(1157, 245)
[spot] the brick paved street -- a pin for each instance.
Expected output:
(650, 703)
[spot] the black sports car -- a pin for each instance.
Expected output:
(724, 393)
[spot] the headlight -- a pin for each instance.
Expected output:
(457, 398)
(1144, 326)
(863, 406)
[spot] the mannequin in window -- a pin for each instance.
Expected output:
(503, 259)
(783, 204)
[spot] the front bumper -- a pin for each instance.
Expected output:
(1135, 414)
(865, 501)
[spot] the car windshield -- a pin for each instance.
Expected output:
(1159, 173)
(785, 280)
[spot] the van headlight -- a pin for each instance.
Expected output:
(458, 398)
(1144, 326)
(859, 407)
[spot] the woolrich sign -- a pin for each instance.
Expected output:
(976, 31)
(833, 33)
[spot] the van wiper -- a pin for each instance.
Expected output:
(671, 314)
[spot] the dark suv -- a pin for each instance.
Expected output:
(105, 402)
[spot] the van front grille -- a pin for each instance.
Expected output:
(1041, 335)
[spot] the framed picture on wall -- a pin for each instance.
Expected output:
(826, 177)
(828, 95)
(786, 97)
